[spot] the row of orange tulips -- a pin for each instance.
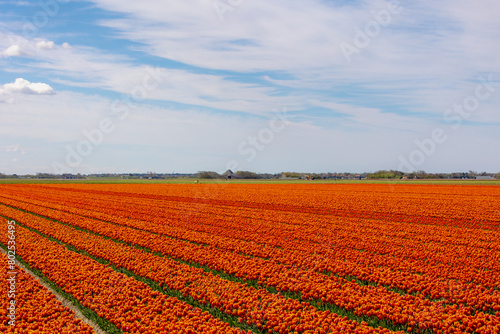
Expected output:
(125, 302)
(34, 308)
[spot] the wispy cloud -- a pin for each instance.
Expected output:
(14, 149)
(91, 68)
(285, 35)
(438, 46)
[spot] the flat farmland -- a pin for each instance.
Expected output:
(262, 258)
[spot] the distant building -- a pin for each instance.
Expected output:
(228, 174)
(486, 177)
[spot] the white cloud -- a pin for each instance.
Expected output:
(13, 51)
(19, 3)
(371, 117)
(25, 87)
(15, 149)
(46, 45)
(19, 46)
(5, 97)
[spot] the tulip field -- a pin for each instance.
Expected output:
(41, 312)
(254, 258)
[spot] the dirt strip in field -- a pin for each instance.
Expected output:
(64, 301)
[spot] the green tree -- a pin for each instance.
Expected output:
(208, 175)
(386, 174)
(247, 175)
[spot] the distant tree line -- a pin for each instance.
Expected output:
(394, 174)
(208, 175)
(381, 174)
(237, 175)
(386, 174)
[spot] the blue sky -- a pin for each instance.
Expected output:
(268, 86)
